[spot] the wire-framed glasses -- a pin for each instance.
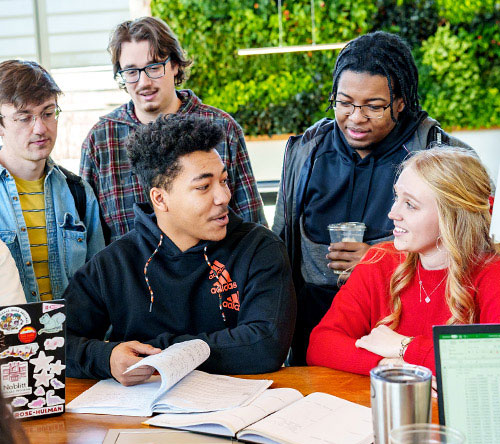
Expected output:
(27, 120)
(153, 71)
(368, 111)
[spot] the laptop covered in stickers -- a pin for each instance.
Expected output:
(33, 358)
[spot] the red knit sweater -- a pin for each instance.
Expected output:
(364, 300)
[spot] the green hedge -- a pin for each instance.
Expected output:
(456, 45)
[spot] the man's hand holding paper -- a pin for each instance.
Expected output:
(127, 354)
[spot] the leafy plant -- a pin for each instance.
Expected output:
(455, 45)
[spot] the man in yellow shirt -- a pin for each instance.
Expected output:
(40, 221)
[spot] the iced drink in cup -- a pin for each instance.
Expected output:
(426, 434)
(346, 232)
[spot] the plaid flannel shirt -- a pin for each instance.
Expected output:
(105, 165)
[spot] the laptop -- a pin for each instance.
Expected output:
(33, 359)
(468, 379)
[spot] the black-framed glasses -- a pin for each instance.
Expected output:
(153, 71)
(368, 111)
(27, 120)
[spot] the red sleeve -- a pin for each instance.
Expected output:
(356, 309)
(488, 293)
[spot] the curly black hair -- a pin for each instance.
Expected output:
(381, 53)
(155, 149)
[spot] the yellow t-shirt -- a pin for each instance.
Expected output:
(32, 199)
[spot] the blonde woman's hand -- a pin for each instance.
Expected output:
(382, 341)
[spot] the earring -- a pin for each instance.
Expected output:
(438, 241)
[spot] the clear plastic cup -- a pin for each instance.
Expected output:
(347, 232)
(426, 434)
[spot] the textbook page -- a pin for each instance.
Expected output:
(109, 397)
(176, 361)
(204, 392)
(316, 419)
(229, 422)
(197, 392)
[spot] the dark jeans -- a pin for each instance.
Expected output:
(313, 302)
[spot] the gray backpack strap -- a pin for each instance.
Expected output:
(437, 136)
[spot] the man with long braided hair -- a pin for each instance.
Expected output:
(344, 169)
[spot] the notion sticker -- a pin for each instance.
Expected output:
(27, 334)
(12, 319)
(14, 376)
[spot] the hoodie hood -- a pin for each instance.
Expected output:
(401, 133)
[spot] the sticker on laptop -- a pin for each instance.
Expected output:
(19, 402)
(27, 334)
(46, 306)
(37, 403)
(42, 378)
(57, 367)
(40, 391)
(52, 324)
(42, 362)
(53, 399)
(12, 319)
(53, 343)
(14, 379)
(20, 351)
(57, 384)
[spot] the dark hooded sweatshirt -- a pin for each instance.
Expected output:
(243, 305)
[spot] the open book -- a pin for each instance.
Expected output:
(177, 388)
(282, 416)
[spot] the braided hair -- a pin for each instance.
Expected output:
(381, 53)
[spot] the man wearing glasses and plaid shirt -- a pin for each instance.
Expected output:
(48, 233)
(149, 62)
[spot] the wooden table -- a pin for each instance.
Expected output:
(88, 429)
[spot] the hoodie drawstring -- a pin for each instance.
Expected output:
(146, 273)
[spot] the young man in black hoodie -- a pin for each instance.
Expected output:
(343, 170)
(192, 269)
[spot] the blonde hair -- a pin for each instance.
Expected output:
(462, 189)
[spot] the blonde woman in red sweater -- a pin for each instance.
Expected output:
(442, 268)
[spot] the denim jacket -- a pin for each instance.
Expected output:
(71, 242)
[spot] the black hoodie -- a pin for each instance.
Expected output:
(249, 328)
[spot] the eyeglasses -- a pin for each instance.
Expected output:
(49, 117)
(368, 111)
(153, 71)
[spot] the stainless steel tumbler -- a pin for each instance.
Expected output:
(400, 395)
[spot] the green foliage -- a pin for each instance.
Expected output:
(461, 77)
(413, 20)
(465, 10)
(282, 93)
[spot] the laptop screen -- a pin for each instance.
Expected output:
(468, 379)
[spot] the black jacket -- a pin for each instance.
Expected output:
(250, 271)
